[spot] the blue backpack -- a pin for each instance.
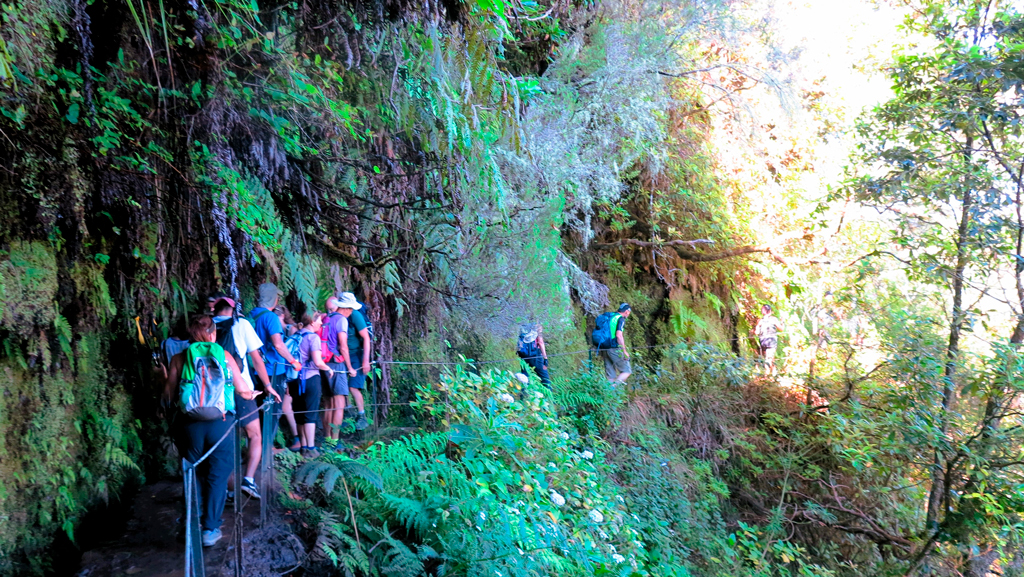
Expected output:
(292, 343)
(603, 336)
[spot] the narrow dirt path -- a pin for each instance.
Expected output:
(149, 546)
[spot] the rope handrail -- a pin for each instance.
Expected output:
(225, 436)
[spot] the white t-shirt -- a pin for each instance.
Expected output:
(245, 338)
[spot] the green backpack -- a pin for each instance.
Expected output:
(206, 392)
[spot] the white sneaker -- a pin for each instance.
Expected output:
(210, 537)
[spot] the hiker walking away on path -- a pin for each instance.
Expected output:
(172, 345)
(239, 339)
(767, 331)
(358, 347)
(611, 345)
(202, 383)
(276, 355)
(306, 389)
(335, 337)
(530, 348)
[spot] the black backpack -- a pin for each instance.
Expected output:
(226, 339)
(366, 316)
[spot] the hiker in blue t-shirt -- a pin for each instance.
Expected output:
(275, 353)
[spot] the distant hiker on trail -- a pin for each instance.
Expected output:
(335, 354)
(239, 339)
(767, 331)
(202, 383)
(276, 355)
(530, 348)
(611, 346)
(358, 347)
(306, 389)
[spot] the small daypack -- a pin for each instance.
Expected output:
(226, 339)
(205, 390)
(292, 344)
(325, 334)
(365, 311)
(603, 336)
(526, 347)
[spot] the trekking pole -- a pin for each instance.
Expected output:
(193, 536)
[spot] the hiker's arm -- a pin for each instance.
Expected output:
(622, 343)
(345, 356)
(173, 376)
(365, 335)
(261, 372)
(242, 387)
(279, 346)
(543, 351)
(318, 361)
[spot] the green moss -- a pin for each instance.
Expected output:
(66, 440)
(28, 286)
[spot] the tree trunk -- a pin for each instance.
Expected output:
(938, 493)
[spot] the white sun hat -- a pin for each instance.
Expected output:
(348, 301)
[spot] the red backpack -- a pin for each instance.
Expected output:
(325, 353)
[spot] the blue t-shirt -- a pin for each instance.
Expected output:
(266, 324)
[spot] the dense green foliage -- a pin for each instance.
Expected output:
(466, 166)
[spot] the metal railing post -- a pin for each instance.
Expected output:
(237, 457)
(267, 464)
(193, 533)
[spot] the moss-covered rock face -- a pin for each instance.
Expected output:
(66, 443)
(28, 286)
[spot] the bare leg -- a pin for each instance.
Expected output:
(289, 416)
(337, 416)
(252, 430)
(357, 395)
(308, 431)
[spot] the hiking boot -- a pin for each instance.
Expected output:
(230, 498)
(249, 488)
(210, 537)
(310, 453)
(361, 423)
(296, 445)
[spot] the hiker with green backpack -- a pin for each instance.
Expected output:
(201, 383)
(611, 346)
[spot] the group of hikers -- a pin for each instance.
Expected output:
(217, 372)
(214, 375)
(607, 337)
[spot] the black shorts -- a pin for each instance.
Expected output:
(769, 343)
(306, 400)
(242, 409)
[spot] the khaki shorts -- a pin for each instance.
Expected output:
(615, 363)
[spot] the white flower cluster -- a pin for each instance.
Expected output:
(507, 398)
(595, 516)
(587, 455)
(618, 558)
(557, 499)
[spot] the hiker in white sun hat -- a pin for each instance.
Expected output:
(356, 347)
